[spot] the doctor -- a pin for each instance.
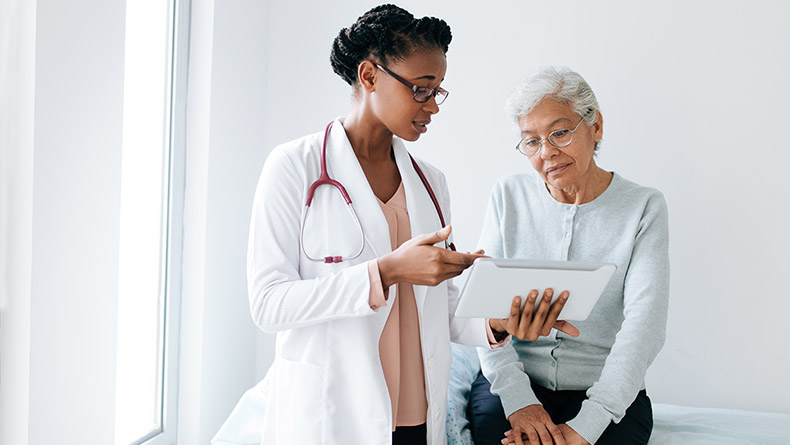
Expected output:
(357, 293)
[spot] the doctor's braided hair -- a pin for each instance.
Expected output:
(385, 33)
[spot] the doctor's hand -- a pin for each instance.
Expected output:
(418, 261)
(532, 425)
(530, 323)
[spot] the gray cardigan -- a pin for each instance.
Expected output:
(626, 225)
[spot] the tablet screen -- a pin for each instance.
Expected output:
(492, 283)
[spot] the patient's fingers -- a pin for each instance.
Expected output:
(540, 315)
(530, 322)
(556, 434)
(509, 438)
(518, 434)
(554, 313)
(567, 328)
(532, 435)
(512, 321)
(526, 315)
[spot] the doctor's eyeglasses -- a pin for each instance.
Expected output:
(558, 138)
(421, 94)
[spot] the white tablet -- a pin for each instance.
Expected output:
(492, 284)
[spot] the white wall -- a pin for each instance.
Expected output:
(17, 69)
(77, 159)
(694, 103)
(224, 127)
(61, 129)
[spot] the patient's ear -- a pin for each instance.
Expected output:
(598, 127)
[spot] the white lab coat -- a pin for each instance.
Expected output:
(326, 385)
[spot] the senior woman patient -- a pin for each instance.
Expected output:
(586, 389)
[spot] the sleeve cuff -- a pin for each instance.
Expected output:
(378, 295)
(512, 401)
(492, 340)
(509, 382)
(591, 422)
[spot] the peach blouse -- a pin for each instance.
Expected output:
(399, 345)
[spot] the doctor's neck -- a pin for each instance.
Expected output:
(370, 140)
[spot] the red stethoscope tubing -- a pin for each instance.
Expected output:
(324, 179)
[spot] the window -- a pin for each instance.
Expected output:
(149, 236)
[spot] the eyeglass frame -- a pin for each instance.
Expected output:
(548, 138)
(433, 92)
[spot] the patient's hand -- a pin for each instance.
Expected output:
(527, 325)
(571, 436)
(534, 424)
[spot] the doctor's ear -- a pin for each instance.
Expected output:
(366, 73)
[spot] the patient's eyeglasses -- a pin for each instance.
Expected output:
(421, 94)
(558, 138)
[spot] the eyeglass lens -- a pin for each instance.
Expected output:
(560, 138)
(423, 94)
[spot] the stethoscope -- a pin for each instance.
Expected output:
(324, 179)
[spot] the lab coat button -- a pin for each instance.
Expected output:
(436, 415)
(431, 362)
(567, 236)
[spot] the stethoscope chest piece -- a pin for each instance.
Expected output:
(332, 226)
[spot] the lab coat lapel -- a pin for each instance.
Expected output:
(423, 217)
(344, 167)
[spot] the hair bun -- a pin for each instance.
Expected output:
(385, 32)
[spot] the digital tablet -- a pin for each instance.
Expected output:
(492, 284)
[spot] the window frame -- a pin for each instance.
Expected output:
(178, 87)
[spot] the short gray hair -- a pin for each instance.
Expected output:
(557, 83)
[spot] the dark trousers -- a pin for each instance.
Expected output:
(488, 423)
(410, 435)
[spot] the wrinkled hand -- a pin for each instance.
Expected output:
(571, 436)
(534, 424)
(526, 325)
(418, 261)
